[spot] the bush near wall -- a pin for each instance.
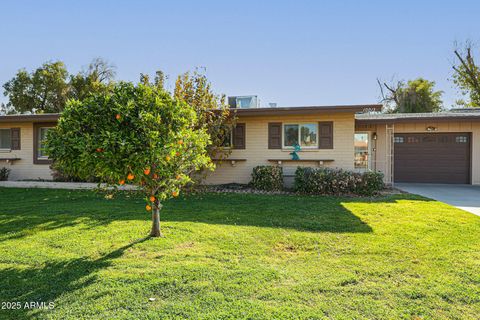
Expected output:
(337, 181)
(269, 178)
(59, 176)
(4, 173)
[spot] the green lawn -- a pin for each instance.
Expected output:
(238, 256)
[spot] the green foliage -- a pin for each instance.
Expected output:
(4, 173)
(59, 176)
(134, 135)
(213, 112)
(413, 97)
(97, 78)
(43, 90)
(47, 88)
(268, 178)
(466, 77)
(337, 181)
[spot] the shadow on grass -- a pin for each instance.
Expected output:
(298, 212)
(53, 279)
(24, 211)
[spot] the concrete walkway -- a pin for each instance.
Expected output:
(56, 185)
(465, 197)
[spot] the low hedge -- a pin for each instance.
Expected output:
(269, 178)
(337, 181)
(4, 173)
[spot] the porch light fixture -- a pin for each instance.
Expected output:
(431, 129)
(374, 136)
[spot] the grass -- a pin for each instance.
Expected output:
(238, 256)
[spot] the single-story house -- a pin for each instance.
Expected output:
(433, 148)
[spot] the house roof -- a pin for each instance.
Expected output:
(44, 117)
(307, 110)
(240, 112)
(452, 115)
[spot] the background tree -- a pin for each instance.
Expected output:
(4, 109)
(466, 76)
(412, 97)
(212, 110)
(43, 90)
(96, 78)
(135, 135)
(48, 88)
(213, 113)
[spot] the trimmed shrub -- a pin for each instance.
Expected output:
(372, 182)
(269, 178)
(336, 181)
(4, 173)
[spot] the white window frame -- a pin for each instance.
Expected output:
(299, 134)
(7, 149)
(38, 143)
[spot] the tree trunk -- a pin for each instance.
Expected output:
(156, 232)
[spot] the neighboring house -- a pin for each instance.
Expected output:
(434, 147)
(21, 146)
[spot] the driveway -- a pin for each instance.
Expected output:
(462, 196)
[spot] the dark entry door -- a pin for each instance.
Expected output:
(432, 157)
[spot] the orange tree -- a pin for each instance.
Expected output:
(135, 135)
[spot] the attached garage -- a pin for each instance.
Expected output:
(432, 157)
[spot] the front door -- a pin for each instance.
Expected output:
(361, 151)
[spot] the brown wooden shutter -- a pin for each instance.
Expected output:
(325, 135)
(239, 136)
(275, 135)
(15, 138)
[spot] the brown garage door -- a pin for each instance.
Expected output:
(432, 157)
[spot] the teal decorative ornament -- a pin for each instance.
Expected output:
(294, 154)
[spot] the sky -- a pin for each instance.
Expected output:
(293, 53)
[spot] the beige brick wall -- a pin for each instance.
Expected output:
(381, 160)
(24, 168)
(257, 152)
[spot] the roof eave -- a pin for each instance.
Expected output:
(30, 118)
(306, 110)
(417, 119)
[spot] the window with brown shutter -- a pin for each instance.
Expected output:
(239, 136)
(275, 135)
(15, 138)
(325, 133)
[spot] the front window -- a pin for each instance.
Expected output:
(5, 139)
(304, 134)
(361, 151)
(225, 137)
(42, 136)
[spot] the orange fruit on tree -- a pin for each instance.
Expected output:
(121, 182)
(152, 198)
(118, 116)
(130, 176)
(180, 141)
(99, 149)
(178, 177)
(148, 207)
(177, 153)
(146, 171)
(155, 176)
(167, 158)
(175, 193)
